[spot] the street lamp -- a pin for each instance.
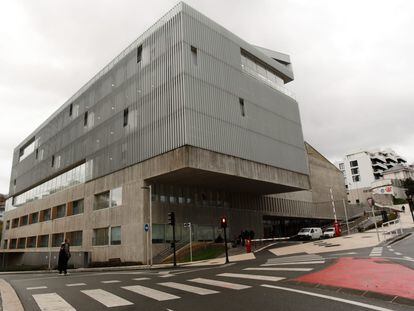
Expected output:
(150, 223)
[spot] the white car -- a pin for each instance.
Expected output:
(329, 232)
(310, 233)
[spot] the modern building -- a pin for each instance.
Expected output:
(2, 206)
(362, 168)
(189, 118)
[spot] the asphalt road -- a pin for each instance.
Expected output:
(200, 288)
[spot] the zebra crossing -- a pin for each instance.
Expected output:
(376, 252)
(162, 291)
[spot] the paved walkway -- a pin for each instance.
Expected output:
(343, 243)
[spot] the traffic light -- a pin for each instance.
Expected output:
(171, 218)
(223, 222)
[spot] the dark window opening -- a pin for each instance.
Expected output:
(194, 55)
(37, 153)
(139, 54)
(53, 160)
(85, 119)
(14, 182)
(70, 110)
(242, 110)
(126, 117)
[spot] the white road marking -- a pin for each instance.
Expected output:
(52, 302)
(140, 279)
(166, 275)
(397, 253)
(106, 298)
(376, 252)
(389, 246)
(293, 263)
(406, 257)
(391, 250)
(252, 276)
(36, 287)
(76, 284)
(351, 302)
(220, 283)
(151, 293)
(189, 288)
(278, 269)
(110, 281)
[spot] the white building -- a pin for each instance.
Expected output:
(362, 168)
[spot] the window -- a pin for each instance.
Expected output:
(194, 55)
(53, 161)
(100, 237)
(242, 110)
(125, 117)
(77, 207)
(356, 178)
(34, 218)
(57, 239)
(75, 238)
(70, 110)
(353, 163)
(13, 244)
(37, 153)
(24, 220)
(27, 149)
(101, 200)
(357, 201)
(15, 222)
(5, 244)
(31, 242)
(59, 211)
(85, 119)
(7, 224)
(21, 243)
(341, 166)
(45, 215)
(115, 235)
(354, 171)
(139, 54)
(158, 233)
(106, 199)
(43, 241)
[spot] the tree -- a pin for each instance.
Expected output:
(409, 185)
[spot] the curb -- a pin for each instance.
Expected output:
(399, 238)
(356, 292)
(10, 300)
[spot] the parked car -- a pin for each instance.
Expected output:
(310, 233)
(329, 233)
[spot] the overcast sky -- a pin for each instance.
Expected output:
(353, 61)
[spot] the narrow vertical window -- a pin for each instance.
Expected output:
(70, 110)
(139, 54)
(242, 110)
(194, 55)
(53, 161)
(85, 119)
(125, 117)
(37, 153)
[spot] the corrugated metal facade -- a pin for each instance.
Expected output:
(172, 100)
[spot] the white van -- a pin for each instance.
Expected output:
(310, 233)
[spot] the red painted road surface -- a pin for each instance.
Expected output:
(373, 274)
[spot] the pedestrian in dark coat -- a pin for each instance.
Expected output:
(63, 260)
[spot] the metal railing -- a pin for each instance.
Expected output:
(392, 228)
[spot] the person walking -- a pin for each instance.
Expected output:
(64, 255)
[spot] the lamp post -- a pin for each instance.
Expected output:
(150, 222)
(410, 203)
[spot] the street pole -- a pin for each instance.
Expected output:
(346, 216)
(371, 203)
(191, 247)
(150, 224)
(49, 242)
(333, 204)
(175, 258)
(225, 244)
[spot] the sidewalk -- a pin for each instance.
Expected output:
(343, 243)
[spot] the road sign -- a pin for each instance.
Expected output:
(146, 227)
(187, 224)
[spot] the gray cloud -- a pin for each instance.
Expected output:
(352, 61)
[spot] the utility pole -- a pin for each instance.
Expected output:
(346, 216)
(149, 235)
